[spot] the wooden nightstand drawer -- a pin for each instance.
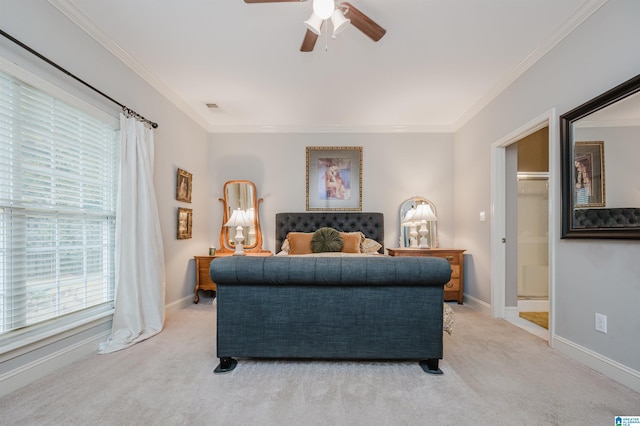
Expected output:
(453, 285)
(455, 271)
(205, 280)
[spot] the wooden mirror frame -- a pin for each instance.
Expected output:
(225, 233)
(567, 122)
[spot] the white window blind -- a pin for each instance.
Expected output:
(58, 180)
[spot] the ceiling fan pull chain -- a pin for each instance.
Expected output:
(326, 39)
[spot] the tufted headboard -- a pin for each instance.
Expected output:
(370, 224)
(623, 217)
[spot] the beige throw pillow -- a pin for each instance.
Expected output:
(299, 242)
(352, 241)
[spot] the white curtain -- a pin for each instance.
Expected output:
(139, 257)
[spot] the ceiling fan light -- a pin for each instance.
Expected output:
(323, 8)
(314, 24)
(339, 22)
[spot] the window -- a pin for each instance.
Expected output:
(58, 181)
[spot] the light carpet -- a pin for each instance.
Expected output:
(494, 374)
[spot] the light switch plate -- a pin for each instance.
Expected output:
(601, 323)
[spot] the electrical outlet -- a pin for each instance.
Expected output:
(601, 323)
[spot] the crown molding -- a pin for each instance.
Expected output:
(67, 8)
(332, 129)
(578, 17)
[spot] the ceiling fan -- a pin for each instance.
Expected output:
(340, 14)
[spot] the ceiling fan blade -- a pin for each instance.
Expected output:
(271, 1)
(363, 22)
(309, 41)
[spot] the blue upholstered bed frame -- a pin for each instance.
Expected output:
(374, 307)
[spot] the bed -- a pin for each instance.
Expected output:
(333, 305)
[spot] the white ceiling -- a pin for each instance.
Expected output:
(440, 61)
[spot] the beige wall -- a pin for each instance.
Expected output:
(395, 167)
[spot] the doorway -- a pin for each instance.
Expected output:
(533, 247)
(507, 299)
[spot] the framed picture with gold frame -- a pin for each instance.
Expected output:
(334, 178)
(183, 186)
(185, 218)
(589, 184)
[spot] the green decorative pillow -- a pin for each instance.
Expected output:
(326, 239)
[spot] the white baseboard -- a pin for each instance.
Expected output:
(179, 304)
(477, 304)
(610, 368)
(32, 371)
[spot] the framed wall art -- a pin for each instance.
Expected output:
(588, 160)
(334, 178)
(185, 217)
(183, 186)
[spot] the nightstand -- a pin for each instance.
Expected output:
(203, 280)
(453, 290)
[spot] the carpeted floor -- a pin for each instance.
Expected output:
(494, 374)
(539, 318)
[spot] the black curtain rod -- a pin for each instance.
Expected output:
(127, 111)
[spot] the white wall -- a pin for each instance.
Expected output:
(593, 275)
(395, 167)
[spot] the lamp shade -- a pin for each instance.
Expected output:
(238, 218)
(424, 212)
(339, 21)
(323, 8)
(314, 23)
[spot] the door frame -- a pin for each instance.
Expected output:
(498, 212)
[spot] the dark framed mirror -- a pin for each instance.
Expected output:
(600, 170)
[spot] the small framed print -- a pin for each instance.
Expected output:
(334, 178)
(589, 185)
(183, 186)
(185, 217)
